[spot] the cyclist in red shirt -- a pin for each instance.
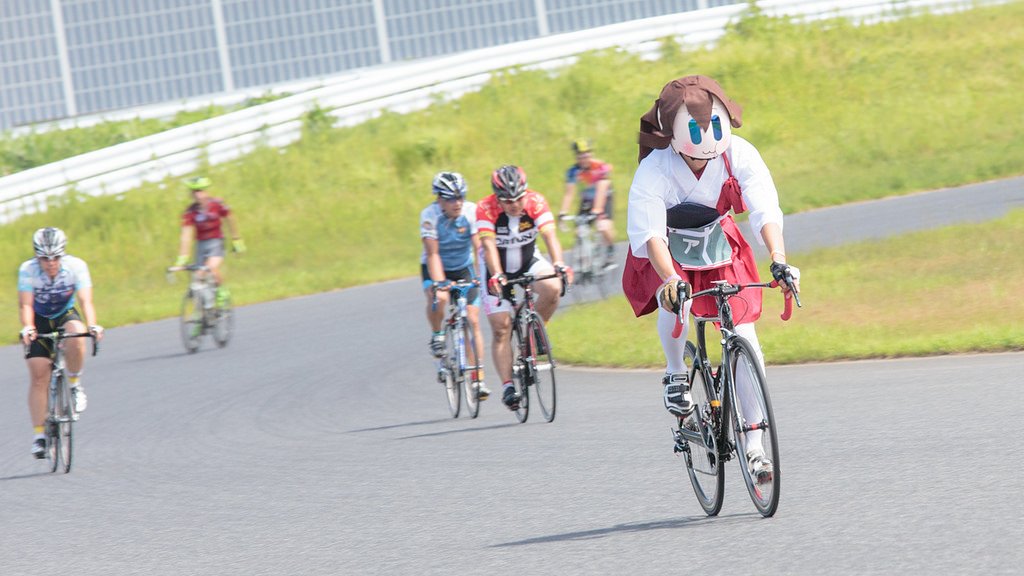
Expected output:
(594, 180)
(509, 222)
(202, 222)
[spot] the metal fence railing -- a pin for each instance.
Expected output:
(355, 97)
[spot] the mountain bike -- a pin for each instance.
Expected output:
(732, 409)
(460, 368)
(201, 313)
(61, 415)
(588, 259)
(533, 366)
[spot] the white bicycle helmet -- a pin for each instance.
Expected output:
(49, 242)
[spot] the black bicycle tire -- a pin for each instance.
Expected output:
(711, 504)
(521, 378)
(65, 426)
(452, 390)
(546, 400)
(580, 268)
(52, 433)
(469, 381)
(225, 316)
(740, 347)
(190, 340)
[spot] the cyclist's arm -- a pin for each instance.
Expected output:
(88, 310)
(772, 235)
(600, 195)
(477, 245)
(185, 243)
(554, 246)
(568, 198)
(660, 257)
(233, 227)
(435, 268)
(26, 311)
(491, 256)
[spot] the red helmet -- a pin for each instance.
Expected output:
(509, 182)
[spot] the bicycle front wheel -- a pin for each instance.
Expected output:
(703, 462)
(757, 443)
(64, 424)
(543, 364)
(522, 371)
(224, 322)
(191, 321)
(471, 365)
(451, 372)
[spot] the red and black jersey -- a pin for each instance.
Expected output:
(515, 236)
(207, 222)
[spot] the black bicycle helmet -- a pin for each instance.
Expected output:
(509, 182)
(449, 185)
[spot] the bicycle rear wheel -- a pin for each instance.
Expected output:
(522, 372)
(191, 321)
(451, 371)
(64, 425)
(543, 368)
(471, 368)
(224, 322)
(703, 463)
(754, 427)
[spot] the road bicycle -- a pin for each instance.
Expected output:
(459, 369)
(588, 258)
(732, 412)
(61, 414)
(533, 366)
(201, 313)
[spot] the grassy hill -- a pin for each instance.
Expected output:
(840, 112)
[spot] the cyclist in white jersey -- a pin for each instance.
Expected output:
(47, 289)
(449, 234)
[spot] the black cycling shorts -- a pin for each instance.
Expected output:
(40, 347)
(472, 295)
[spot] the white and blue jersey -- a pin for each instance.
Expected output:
(52, 297)
(454, 236)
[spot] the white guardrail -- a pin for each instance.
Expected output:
(355, 97)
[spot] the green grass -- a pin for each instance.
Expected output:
(935, 292)
(840, 113)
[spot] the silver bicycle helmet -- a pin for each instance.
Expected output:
(49, 242)
(449, 185)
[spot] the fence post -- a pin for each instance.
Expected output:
(381, 19)
(542, 17)
(227, 77)
(70, 106)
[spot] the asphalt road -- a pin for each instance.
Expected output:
(326, 448)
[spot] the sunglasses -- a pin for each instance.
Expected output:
(513, 201)
(48, 258)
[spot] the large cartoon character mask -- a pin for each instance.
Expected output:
(693, 115)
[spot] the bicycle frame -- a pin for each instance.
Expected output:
(59, 420)
(456, 317)
(722, 292)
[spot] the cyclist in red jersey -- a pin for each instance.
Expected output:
(202, 222)
(508, 223)
(594, 180)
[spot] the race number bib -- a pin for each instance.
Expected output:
(702, 248)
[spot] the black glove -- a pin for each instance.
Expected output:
(780, 272)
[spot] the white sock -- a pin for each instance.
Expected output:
(673, 347)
